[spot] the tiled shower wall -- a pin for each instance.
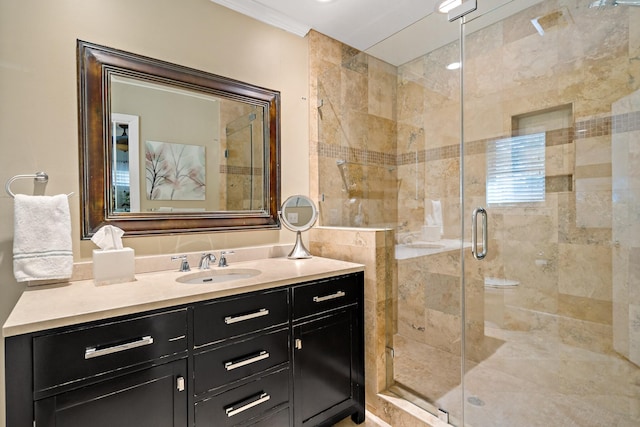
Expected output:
(356, 123)
(398, 129)
(626, 229)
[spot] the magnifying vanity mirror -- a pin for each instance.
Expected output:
(298, 214)
(169, 149)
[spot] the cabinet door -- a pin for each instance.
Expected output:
(323, 363)
(148, 398)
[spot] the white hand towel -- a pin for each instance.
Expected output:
(42, 247)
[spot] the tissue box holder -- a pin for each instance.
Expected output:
(113, 266)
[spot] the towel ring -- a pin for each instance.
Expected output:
(41, 177)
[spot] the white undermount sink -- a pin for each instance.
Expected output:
(218, 276)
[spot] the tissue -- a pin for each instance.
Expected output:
(112, 263)
(108, 237)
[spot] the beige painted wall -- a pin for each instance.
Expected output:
(38, 99)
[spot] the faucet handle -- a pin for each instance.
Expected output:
(223, 258)
(184, 265)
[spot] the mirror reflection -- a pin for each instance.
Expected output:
(197, 152)
(299, 213)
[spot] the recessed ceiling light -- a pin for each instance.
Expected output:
(446, 5)
(453, 66)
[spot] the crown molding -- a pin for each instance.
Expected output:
(267, 15)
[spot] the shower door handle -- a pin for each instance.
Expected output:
(474, 233)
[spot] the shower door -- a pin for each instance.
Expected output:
(551, 150)
(244, 157)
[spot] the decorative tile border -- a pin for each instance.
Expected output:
(603, 126)
(356, 155)
(583, 129)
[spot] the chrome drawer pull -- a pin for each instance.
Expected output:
(92, 352)
(231, 411)
(230, 319)
(229, 366)
(338, 294)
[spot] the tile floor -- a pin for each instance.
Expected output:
(529, 380)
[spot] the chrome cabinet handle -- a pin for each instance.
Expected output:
(237, 364)
(234, 319)
(92, 352)
(338, 294)
(180, 383)
(231, 411)
(474, 233)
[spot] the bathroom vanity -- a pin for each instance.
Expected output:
(281, 348)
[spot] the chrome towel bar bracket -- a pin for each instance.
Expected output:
(40, 177)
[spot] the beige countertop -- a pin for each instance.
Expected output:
(52, 306)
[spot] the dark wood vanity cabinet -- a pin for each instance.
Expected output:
(290, 356)
(328, 351)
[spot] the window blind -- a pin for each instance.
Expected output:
(515, 169)
(121, 174)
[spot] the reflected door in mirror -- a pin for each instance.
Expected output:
(125, 148)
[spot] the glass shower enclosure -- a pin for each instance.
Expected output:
(539, 126)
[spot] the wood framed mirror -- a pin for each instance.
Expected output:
(168, 149)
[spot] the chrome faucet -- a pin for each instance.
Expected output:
(184, 265)
(223, 258)
(205, 259)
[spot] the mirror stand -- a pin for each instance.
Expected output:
(299, 251)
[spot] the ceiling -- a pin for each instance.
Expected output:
(395, 31)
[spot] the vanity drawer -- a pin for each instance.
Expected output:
(277, 419)
(83, 352)
(218, 320)
(224, 365)
(325, 295)
(245, 402)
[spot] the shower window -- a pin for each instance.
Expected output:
(516, 169)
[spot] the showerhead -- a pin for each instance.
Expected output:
(343, 173)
